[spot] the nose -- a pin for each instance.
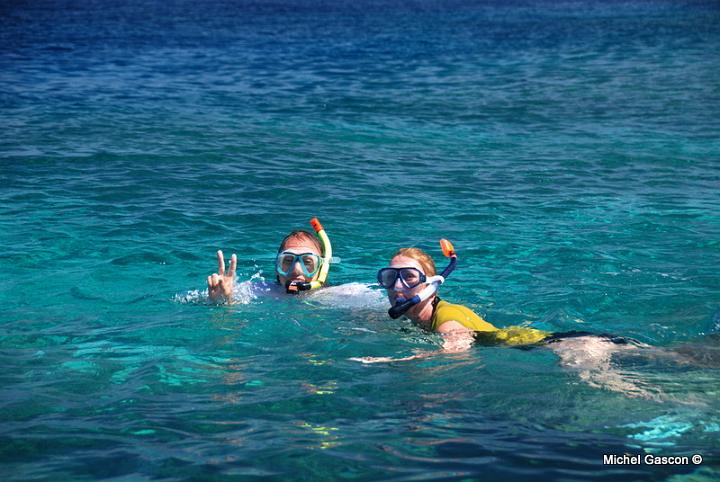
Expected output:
(398, 285)
(296, 267)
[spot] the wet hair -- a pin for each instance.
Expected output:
(425, 260)
(302, 235)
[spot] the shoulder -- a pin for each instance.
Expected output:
(448, 312)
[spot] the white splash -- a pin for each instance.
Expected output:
(349, 296)
(660, 430)
(244, 292)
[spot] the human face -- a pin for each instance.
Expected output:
(401, 261)
(298, 246)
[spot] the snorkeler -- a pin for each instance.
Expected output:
(412, 283)
(302, 264)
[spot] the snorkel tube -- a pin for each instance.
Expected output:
(434, 282)
(294, 287)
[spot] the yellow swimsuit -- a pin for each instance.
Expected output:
(484, 332)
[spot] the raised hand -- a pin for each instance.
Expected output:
(220, 285)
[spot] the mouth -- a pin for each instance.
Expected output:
(394, 295)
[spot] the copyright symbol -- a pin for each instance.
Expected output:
(697, 459)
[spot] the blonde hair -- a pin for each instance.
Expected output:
(425, 260)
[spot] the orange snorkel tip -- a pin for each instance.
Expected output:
(315, 223)
(447, 248)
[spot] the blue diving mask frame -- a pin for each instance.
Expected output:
(401, 304)
(409, 277)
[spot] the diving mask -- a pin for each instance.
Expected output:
(409, 277)
(309, 263)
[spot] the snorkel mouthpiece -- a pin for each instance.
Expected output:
(402, 305)
(295, 287)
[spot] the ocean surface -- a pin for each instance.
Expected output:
(570, 150)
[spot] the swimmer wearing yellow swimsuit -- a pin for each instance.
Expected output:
(411, 285)
(485, 332)
(411, 282)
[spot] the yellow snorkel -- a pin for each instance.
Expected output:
(327, 252)
(295, 286)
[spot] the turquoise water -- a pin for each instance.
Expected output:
(571, 152)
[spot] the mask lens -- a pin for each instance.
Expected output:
(285, 263)
(411, 277)
(311, 263)
(387, 277)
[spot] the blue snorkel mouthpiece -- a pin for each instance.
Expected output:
(402, 305)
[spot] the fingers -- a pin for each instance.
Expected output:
(220, 283)
(213, 286)
(221, 262)
(219, 286)
(225, 286)
(233, 265)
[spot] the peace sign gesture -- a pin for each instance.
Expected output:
(221, 284)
